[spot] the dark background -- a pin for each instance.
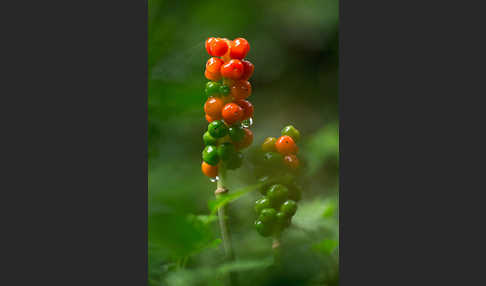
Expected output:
(294, 47)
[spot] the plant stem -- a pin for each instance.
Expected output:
(276, 249)
(223, 224)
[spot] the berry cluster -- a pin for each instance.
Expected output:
(278, 204)
(228, 112)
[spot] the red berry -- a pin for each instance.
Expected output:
(248, 69)
(286, 145)
(213, 65)
(232, 69)
(239, 48)
(208, 44)
(212, 76)
(232, 113)
(247, 108)
(209, 170)
(241, 89)
(213, 107)
(218, 47)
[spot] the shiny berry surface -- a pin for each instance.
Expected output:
(267, 216)
(209, 170)
(286, 145)
(213, 65)
(217, 47)
(292, 132)
(248, 108)
(277, 194)
(208, 139)
(241, 89)
(217, 129)
(239, 48)
(268, 144)
(263, 229)
(208, 44)
(210, 155)
(232, 113)
(289, 208)
(213, 107)
(232, 69)
(212, 88)
(211, 76)
(248, 69)
(261, 204)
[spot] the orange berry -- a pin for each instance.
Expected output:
(232, 113)
(239, 48)
(232, 69)
(291, 161)
(247, 140)
(217, 47)
(209, 170)
(248, 69)
(213, 65)
(213, 107)
(209, 119)
(212, 76)
(286, 145)
(241, 89)
(226, 57)
(208, 44)
(247, 108)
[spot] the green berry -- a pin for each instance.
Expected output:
(292, 132)
(277, 194)
(217, 129)
(260, 204)
(273, 159)
(267, 216)
(212, 88)
(236, 133)
(289, 208)
(282, 220)
(210, 155)
(208, 139)
(224, 89)
(263, 229)
(265, 181)
(226, 151)
(235, 161)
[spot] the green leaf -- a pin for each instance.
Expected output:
(327, 246)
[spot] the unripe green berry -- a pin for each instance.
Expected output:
(236, 133)
(265, 181)
(277, 194)
(224, 89)
(282, 220)
(226, 151)
(212, 88)
(261, 204)
(267, 216)
(263, 229)
(289, 208)
(217, 129)
(235, 161)
(210, 155)
(208, 139)
(292, 132)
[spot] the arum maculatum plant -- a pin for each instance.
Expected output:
(229, 114)
(277, 169)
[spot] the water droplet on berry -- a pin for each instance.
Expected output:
(215, 179)
(247, 123)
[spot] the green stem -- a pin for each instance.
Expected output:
(276, 246)
(223, 224)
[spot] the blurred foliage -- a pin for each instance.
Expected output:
(294, 46)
